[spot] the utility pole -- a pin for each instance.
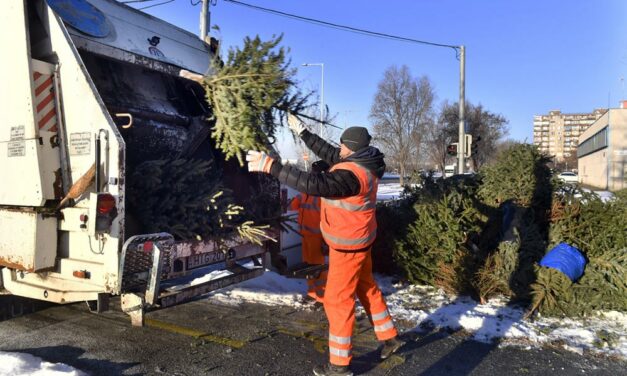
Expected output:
(205, 19)
(461, 146)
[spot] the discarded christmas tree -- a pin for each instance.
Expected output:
(439, 246)
(250, 94)
(597, 229)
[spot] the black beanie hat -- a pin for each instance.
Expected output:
(355, 138)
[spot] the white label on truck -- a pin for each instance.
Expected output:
(16, 148)
(17, 133)
(80, 143)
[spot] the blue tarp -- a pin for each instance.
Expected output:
(567, 259)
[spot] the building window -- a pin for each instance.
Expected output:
(597, 142)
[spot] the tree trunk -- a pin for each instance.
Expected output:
(401, 180)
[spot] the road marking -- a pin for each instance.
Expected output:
(174, 328)
(320, 343)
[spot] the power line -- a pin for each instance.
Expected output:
(150, 6)
(343, 27)
(156, 5)
(135, 1)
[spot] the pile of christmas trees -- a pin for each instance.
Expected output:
(186, 198)
(485, 235)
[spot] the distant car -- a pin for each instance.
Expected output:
(568, 177)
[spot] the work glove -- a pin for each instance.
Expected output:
(259, 161)
(295, 124)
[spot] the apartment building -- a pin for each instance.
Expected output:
(557, 134)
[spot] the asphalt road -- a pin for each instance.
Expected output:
(203, 338)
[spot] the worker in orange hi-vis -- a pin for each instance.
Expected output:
(348, 225)
(308, 208)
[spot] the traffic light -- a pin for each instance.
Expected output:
(468, 146)
(451, 149)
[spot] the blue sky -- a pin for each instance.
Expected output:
(523, 57)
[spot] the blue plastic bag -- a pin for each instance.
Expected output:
(567, 259)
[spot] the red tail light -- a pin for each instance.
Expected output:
(148, 246)
(106, 211)
(106, 203)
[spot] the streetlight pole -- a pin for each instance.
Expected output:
(321, 65)
(461, 146)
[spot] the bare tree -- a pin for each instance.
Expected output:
(486, 128)
(400, 113)
(438, 136)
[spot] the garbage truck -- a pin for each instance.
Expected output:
(95, 85)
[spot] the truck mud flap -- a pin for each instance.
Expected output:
(146, 262)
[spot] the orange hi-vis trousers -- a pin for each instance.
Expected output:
(350, 273)
(312, 254)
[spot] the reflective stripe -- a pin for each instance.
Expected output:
(340, 340)
(310, 229)
(383, 327)
(344, 241)
(367, 205)
(339, 352)
(380, 316)
(350, 207)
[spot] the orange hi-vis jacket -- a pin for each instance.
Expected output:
(308, 208)
(349, 223)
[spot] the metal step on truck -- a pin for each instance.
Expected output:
(95, 84)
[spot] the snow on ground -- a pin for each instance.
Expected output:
(389, 191)
(422, 309)
(270, 288)
(17, 364)
(430, 308)
(603, 195)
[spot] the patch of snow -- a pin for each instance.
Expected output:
(270, 288)
(18, 364)
(425, 308)
(389, 191)
(211, 276)
(605, 195)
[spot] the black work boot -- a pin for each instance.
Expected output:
(332, 370)
(391, 346)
